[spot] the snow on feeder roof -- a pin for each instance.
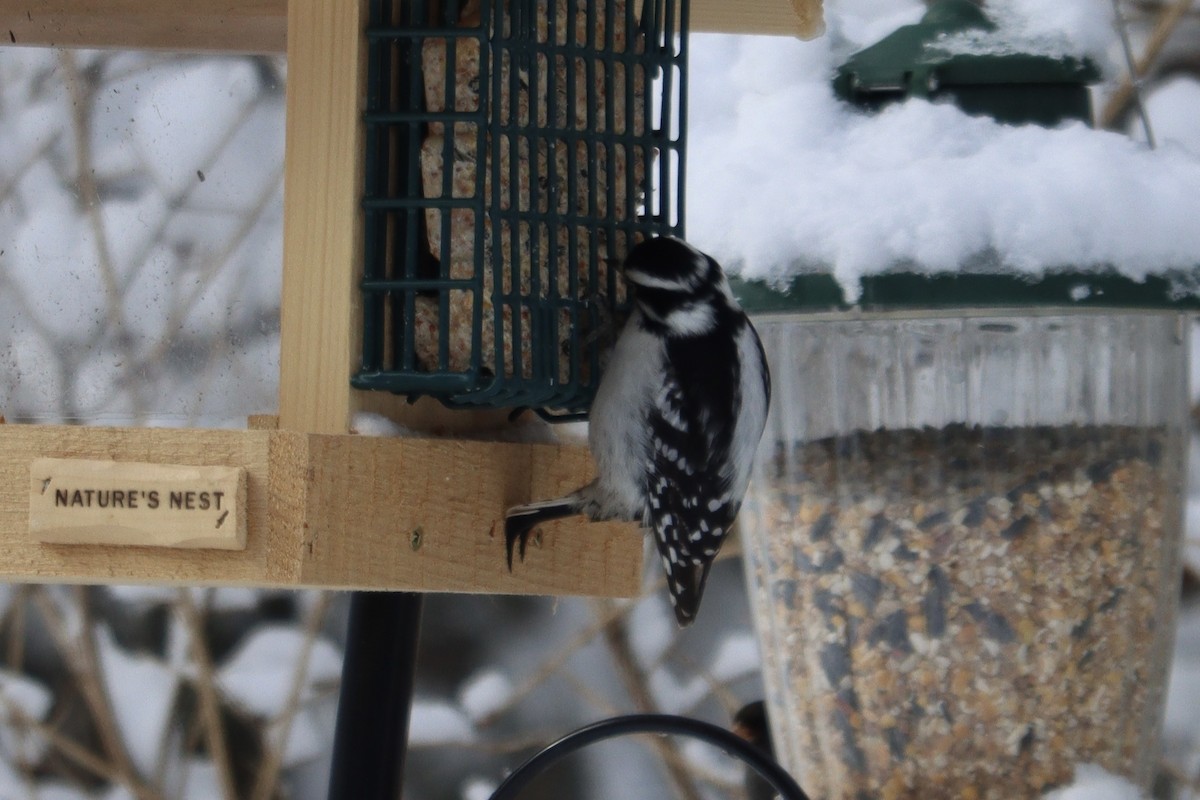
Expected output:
(792, 181)
(923, 60)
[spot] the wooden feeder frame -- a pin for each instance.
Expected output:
(327, 508)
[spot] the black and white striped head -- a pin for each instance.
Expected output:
(677, 287)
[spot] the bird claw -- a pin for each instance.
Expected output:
(515, 536)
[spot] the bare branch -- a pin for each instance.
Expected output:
(89, 195)
(1168, 19)
(555, 663)
(206, 689)
(268, 772)
(637, 684)
(80, 655)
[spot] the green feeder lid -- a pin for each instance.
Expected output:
(993, 79)
(899, 291)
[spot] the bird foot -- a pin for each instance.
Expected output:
(515, 535)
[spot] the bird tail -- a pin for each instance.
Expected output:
(686, 584)
(519, 521)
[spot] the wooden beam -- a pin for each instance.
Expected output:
(241, 26)
(261, 26)
(800, 18)
(336, 512)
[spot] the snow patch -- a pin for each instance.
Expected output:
(485, 693)
(183, 114)
(22, 699)
(651, 628)
(676, 696)
(260, 673)
(478, 789)
(714, 762)
(366, 423)
(736, 657)
(435, 722)
(55, 790)
(200, 780)
(1065, 28)
(217, 599)
(1093, 783)
(1172, 109)
(142, 692)
(306, 739)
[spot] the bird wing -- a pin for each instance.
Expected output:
(688, 510)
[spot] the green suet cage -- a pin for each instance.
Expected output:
(516, 150)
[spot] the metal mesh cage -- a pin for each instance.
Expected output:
(516, 150)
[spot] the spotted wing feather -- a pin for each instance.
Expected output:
(688, 511)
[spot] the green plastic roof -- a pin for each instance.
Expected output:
(914, 62)
(910, 291)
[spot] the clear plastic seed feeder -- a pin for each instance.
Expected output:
(963, 534)
(963, 541)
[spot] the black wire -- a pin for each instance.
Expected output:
(728, 741)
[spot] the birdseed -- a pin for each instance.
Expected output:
(965, 612)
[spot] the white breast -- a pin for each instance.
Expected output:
(752, 417)
(617, 432)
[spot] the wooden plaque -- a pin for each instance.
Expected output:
(77, 501)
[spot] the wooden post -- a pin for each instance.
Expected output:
(321, 314)
(322, 226)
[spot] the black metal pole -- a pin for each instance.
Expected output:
(376, 696)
